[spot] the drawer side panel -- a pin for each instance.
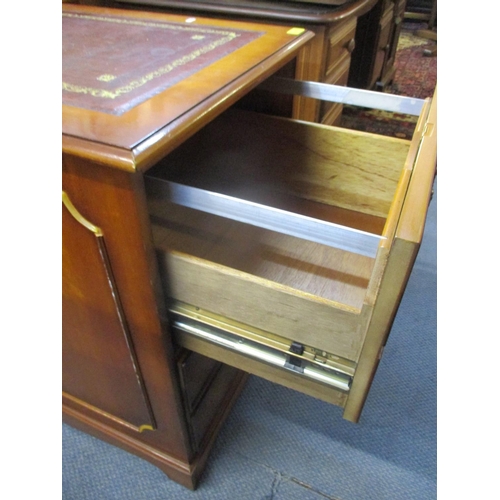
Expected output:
(235, 296)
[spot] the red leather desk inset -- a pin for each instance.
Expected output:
(159, 55)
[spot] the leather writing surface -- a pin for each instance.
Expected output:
(111, 63)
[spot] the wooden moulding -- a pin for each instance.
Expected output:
(295, 13)
(185, 473)
(176, 469)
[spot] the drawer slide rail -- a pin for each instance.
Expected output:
(345, 95)
(263, 353)
(274, 219)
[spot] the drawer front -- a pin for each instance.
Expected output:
(331, 112)
(383, 45)
(341, 43)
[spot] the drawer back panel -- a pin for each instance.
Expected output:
(248, 154)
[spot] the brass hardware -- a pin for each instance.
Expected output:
(146, 427)
(295, 31)
(79, 217)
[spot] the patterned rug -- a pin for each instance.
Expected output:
(415, 76)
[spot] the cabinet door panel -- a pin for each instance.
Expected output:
(99, 366)
(385, 30)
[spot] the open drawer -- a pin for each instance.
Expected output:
(285, 246)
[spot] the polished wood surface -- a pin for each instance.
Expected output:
(377, 38)
(168, 111)
(289, 12)
(97, 346)
(129, 263)
(113, 201)
(121, 378)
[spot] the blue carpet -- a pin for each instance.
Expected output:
(281, 445)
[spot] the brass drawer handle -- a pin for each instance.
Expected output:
(79, 217)
(351, 45)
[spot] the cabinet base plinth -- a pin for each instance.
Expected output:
(185, 473)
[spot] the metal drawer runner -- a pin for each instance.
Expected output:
(345, 95)
(266, 217)
(263, 353)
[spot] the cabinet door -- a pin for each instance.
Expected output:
(99, 365)
(399, 12)
(383, 45)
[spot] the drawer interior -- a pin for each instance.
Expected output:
(330, 174)
(306, 308)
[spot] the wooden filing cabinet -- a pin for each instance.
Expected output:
(377, 39)
(340, 45)
(293, 270)
(124, 380)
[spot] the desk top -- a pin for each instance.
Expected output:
(135, 80)
(287, 11)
